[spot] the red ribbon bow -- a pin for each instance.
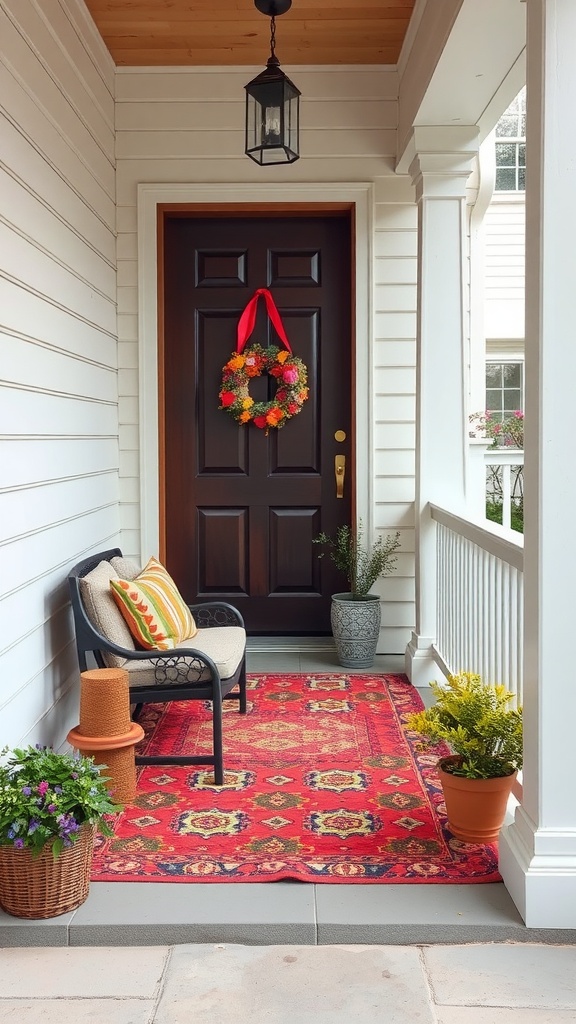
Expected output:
(248, 319)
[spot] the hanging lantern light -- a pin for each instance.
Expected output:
(272, 103)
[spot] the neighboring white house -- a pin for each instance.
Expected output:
(504, 260)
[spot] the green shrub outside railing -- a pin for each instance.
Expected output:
(494, 513)
(506, 433)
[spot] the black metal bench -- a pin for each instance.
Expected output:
(190, 671)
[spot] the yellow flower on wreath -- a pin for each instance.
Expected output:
(282, 356)
(247, 403)
(237, 362)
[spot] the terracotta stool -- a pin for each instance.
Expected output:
(105, 731)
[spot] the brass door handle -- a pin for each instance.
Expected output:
(340, 469)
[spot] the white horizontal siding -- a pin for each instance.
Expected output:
(39, 319)
(225, 144)
(395, 267)
(58, 359)
(504, 270)
(210, 84)
(31, 412)
(82, 456)
(51, 186)
(37, 366)
(37, 271)
(226, 114)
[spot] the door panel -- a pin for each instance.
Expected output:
(242, 508)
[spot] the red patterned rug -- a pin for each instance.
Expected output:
(322, 784)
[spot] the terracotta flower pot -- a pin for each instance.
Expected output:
(475, 807)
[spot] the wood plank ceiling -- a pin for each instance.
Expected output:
(233, 32)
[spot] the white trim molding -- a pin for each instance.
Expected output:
(150, 195)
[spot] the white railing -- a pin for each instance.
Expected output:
(479, 599)
(504, 479)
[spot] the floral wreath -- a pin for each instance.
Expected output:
(291, 393)
(244, 364)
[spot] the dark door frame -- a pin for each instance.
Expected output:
(258, 210)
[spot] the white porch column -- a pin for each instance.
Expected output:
(440, 171)
(538, 851)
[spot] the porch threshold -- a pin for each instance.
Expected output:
(291, 645)
(283, 913)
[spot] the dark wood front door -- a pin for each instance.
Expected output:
(241, 508)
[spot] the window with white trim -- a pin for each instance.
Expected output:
(511, 147)
(504, 388)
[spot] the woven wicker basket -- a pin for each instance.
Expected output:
(39, 887)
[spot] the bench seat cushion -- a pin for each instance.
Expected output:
(223, 644)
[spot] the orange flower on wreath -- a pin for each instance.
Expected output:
(274, 416)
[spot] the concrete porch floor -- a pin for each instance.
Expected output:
(280, 913)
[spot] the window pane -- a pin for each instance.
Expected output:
(512, 399)
(511, 375)
(507, 126)
(522, 154)
(506, 179)
(506, 154)
(493, 400)
(521, 179)
(493, 375)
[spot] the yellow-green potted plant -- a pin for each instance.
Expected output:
(485, 736)
(356, 614)
(50, 806)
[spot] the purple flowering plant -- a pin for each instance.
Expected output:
(45, 798)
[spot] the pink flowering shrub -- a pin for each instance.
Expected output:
(508, 433)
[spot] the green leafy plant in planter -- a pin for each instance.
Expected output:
(484, 734)
(46, 797)
(356, 614)
(478, 725)
(361, 565)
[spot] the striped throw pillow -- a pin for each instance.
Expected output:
(154, 611)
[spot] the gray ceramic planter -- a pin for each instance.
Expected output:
(356, 628)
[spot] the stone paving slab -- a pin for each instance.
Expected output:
(503, 975)
(294, 985)
(502, 1015)
(67, 973)
(76, 1011)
